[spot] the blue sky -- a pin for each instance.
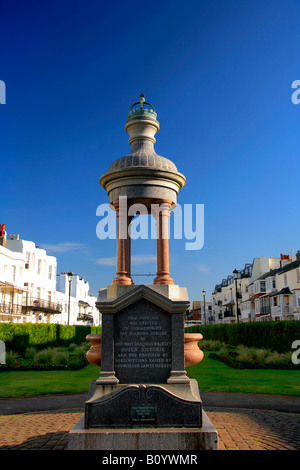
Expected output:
(219, 74)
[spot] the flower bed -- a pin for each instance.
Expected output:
(71, 358)
(248, 358)
(25, 364)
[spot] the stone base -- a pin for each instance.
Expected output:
(179, 439)
(144, 405)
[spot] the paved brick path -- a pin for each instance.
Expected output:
(237, 429)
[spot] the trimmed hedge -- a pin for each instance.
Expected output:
(19, 336)
(273, 335)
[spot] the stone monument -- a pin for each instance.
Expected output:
(143, 398)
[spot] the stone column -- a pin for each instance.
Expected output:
(123, 247)
(162, 213)
(107, 373)
(128, 249)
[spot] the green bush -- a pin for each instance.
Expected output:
(44, 356)
(18, 337)
(30, 352)
(60, 358)
(242, 357)
(273, 335)
(11, 358)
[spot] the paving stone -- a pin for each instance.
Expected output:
(238, 429)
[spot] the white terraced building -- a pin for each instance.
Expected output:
(78, 305)
(29, 291)
(267, 289)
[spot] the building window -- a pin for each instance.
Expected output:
(50, 272)
(285, 280)
(39, 266)
(274, 283)
(275, 301)
(14, 270)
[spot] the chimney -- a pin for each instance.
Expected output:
(284, 260)
(298, 255)
(2, 235)
(18, 236)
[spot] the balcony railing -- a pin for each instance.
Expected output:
(42, 305)
(85, 317)
(11, 309)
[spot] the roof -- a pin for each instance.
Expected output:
(281, 270)
(284, 291)
(290, 266)
(270, 273)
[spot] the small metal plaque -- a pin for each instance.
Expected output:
(143, 413)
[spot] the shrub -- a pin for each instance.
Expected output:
(11, 357)
(251, 358)
(46, 359)
(60, 358)
(30, 353)
(210, 345)
(272, 335)
(20, 336)
(44, 356)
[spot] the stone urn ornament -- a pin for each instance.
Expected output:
(94, 353)
(192, 353)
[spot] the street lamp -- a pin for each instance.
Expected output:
(204, 293)
(235, 276)
(70, 276)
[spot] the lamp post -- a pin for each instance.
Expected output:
(70, 276)
(235, 276)
(204, 293)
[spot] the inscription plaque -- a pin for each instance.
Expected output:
(143, 414)
(142, 343)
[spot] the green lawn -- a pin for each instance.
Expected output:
(212, 376)
(14, 384)
(215, 376)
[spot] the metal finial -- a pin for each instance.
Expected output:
(142, 111)
(142, 101)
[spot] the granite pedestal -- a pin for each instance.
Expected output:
(143, 398)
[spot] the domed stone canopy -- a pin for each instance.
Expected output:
(142, 175)
(141, 158)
